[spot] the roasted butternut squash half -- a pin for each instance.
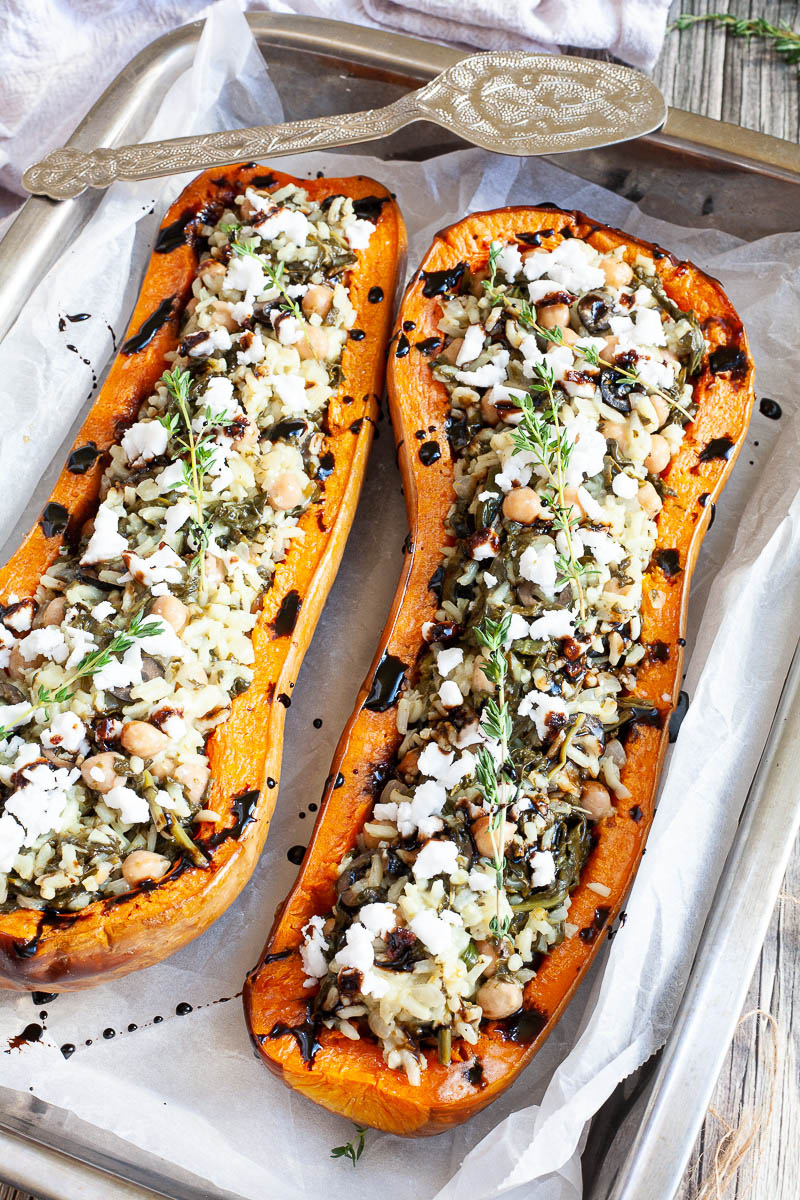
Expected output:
(568, 403)
(153, 621)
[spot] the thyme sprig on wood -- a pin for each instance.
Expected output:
(88, 666)
(542, 435)
(786, 41)
(496, 781)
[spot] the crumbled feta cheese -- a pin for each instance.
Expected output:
(435, 933)
(144, 441)
(121, 673)
(290, 330)
(571, 264)
(448, 659)
(291, 391)
(543, 868)
(379, 919)
(540, 289)
(215, 339)
(489, 579)
(295, 225)
(66, 732)
(539, 707)
(13, 714)
(174, 727)
(170, 480)
(624, 486)
(359, 954)
(163, 566)
(421, 812)
(443, 766)
(450, 694)
(219, 399)
(471, 345)
(556, 623)
(518, 628)
(39, 804)
(537, 564)
(315, 965)
(488, 374)
(102, 610)
(509, 261)
(245, 274)
(255, 352)
(588, 450)
(602, 548)
(46, 642)
(177, 516)
(479, 881)
(19, 619)
(12, 836)
(106, 543)
(435, 858)
(358, 232)
(132, 808)
(593, 510)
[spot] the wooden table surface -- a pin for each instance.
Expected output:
(755, 1111)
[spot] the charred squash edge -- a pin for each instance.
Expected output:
(349, 1077)
(63, 951)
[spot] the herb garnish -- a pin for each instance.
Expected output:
(274, 275)
(786, 40)
(496, 724)
(89, 665)
(354, 1149)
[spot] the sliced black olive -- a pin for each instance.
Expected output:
(615, 390)
(594, 310)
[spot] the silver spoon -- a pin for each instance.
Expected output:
(507, 101)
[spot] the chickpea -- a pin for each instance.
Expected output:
(617, 272)
(661, 407)
(318, 299)
(551, 315)
(569, 337)
(17, 664)
(482, 836)
(499, 998)
(408, 763)
(215, 570)
(98, 771)
(522, 504)
(143, 864)
(596, 799)
(172, 610)
(488, 411)
(571, 499)
(614, 431)
(221, 314)
(55, 611)
(488, 951)
(659, 456)
(480, 681)
(142, 738)
(212, 273)
(650, 500)
(451, 352)
(248, 438)
(317, 342)
(193, 776)
(287, 491)
(615, 588)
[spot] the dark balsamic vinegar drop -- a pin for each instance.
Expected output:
(429, 453)
(83, 459)
(386, 684)
(68, 1049)
(157, 1020)
(108, 1034)
(727, 358)
(428, 346)
(369, 207)
(523, 1026)
(54, 519)
(132, 1028)
(720, 447)
(43, 997)
(74, 317)
(317, 722)
(677, 717)
(403, 346)
(295, 855)
(770, 408)
(437, 283)
(356, 335)
(175, 235)
(408, 326)
(145, 334)
(375, 295)
(183, 1009)
(669, 561)
(288, 613)
(31, 1033)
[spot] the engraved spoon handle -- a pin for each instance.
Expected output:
(68, 172)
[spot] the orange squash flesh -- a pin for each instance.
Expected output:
(62, 952)
(349, 1077)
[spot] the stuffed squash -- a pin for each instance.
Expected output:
(152, 623)
(567, 401)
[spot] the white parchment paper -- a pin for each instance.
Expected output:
(187, 1087)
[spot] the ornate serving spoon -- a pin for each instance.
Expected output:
(507, 101)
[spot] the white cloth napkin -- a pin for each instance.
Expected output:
(57, 56)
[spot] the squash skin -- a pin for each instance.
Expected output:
(109, 938)
(351, 1078)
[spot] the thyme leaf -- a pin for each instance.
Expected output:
(786, 41)
(353, 1149)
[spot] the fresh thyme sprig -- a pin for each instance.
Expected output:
(630, 375)
(89, 665)
(496, 723)
(275, 274)
(354, 1149)
(202, 454)
(494, 253)
(543, 436)
(786, 40)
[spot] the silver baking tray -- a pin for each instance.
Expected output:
(696, 172)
